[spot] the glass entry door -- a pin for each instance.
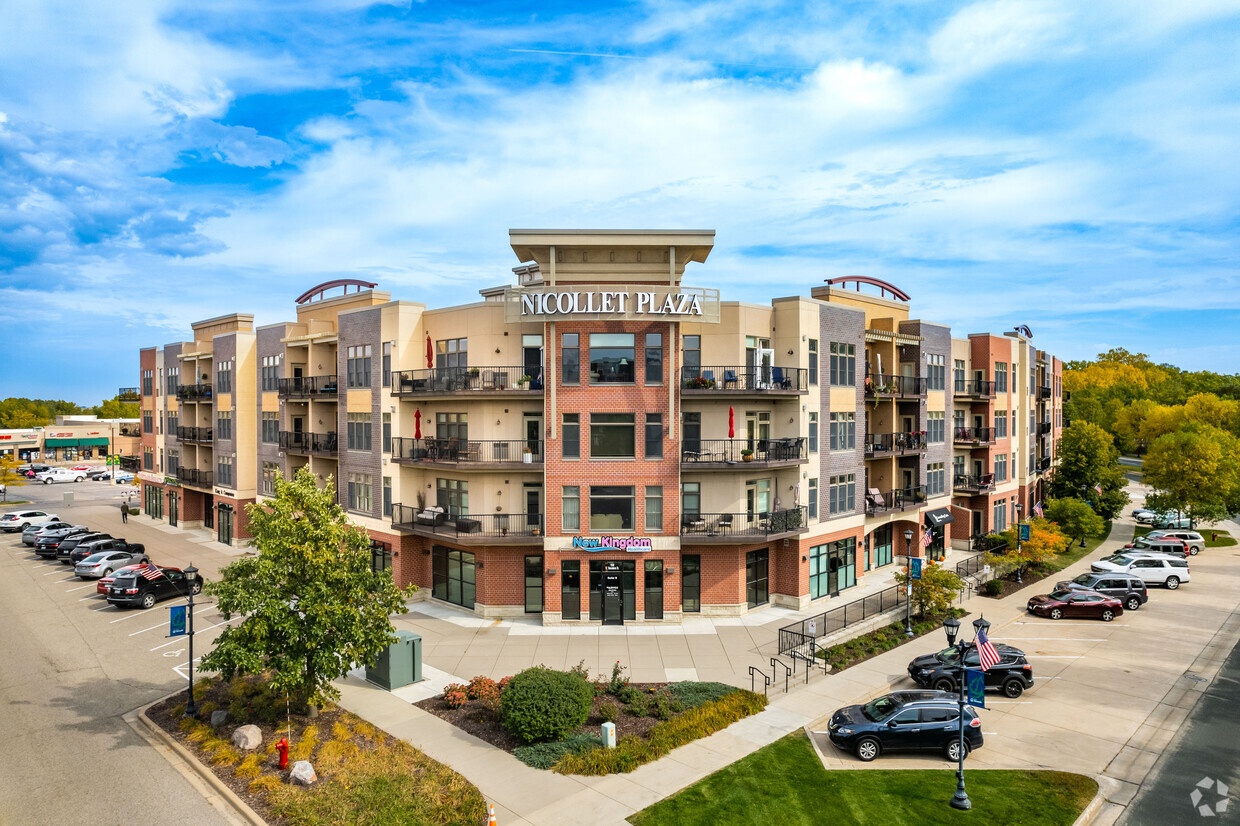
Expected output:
(224, 526)
(172, 508)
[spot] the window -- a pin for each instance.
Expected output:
(958, 374)
(1000, 523)
(811, 501)
(359, 431)
(612, 436)
(654, 435)
(533, 584)
(881, 539)
(691, 583)
(570, 589)
(936, 479)
(1000, 424)
(173, 379)
(148, 382)
(174, 422)
(452, 576)
(387, 432)
(570, 445)
(843, 364)
(358, 365)
(692, 355)
(832, 567)
(936, 371)
(813, 432)
(691, 499)
(654, 358)
(936, 426)
(813, 361)
(452, 352)
(842, 494)
(1001, 467)
(453, 496)
(224, 471)
(148, 458)
(174, 462)
(654, 508)
(1001, 377)
(757, 578)
(387, 363)
(148, 421)
(611, 358)
(271, 427)
(387, 495)
(843, 431)
(223, 424)
(570, 508)
(267, 484)
(359, 494)
(611, 508)
(223, 377)
(691, 432)
(653, 582)
(271, 369)
(452, 426)
(570, 358)
(380, 556)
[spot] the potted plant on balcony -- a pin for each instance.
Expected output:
(700, 383)
(473, 372)
(747, 455)
(527, 455)
(524, 381)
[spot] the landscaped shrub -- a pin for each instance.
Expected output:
(455, 694)
(504, 683)
(693, 694)
(627, 694)
(639, 706)
(483, 688)
(545, 755)
(542, 704)
(993, 587)
(250, 767)
(617, 680)
(694, 724)
(662, 707)
(609, 712)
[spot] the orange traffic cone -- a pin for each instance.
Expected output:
(491, 821)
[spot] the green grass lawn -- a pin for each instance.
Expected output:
(1075, 552)
(1224, 540)
(785, 783)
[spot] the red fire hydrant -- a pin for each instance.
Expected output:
(282, 747)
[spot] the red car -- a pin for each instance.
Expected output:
(1086, 604)
(104, 582)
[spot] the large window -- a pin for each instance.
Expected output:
(387, 432)
(936, 371)
(380, 556)
(691, 499)
(148, 421)
(611, 508)
(223, 424)
(691, 432)
(387, 363)
(843, 431)
(757, 577)
(611, 358)
(148, 382)
(654, 358)
(533, 584)
(453, 496)
(936, 426)
(832, 567)
(570, 444)
(612, 436)
(453, 577)
(360, 492)
(936, 479)
(358, 365)
(452, 352)
(174, 462)
(813, 361)
(811, 501)
(654, 436)
(881, 543)
(1001, 419)
(692, 355)
(271, 427)
(452, 426)
(173, 380)
(570, 359)
(359, 431)
(843, 364)
(654, 508)
(148, 458)
(223, 377)
(653, 582)
(387, 495)
(1000, 523)
(224, 471)
(842, 494)
(270, 471)
(958, 374)
(1001, 372)
(813, 432)
(271, 367)
(570, 508)
(1001, 467)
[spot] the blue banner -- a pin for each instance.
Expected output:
(1024, 533)
(177, 621)
(915, 568)
(975, 687)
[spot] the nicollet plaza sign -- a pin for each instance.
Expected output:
(600, 301)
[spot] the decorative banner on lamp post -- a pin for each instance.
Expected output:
(1024, 533)
(914, 568)
(975, 687)
(176, 621)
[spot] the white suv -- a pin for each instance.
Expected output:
(60, 474)
(1195, 541)
(19, 520)
(1151, 569)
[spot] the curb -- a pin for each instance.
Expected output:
(1091, 811)
(249, 815)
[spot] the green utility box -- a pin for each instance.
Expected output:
(398, 665)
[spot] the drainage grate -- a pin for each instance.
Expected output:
(1197, 678)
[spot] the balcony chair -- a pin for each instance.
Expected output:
(729, 378)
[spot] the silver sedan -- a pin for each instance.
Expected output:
(105, 562)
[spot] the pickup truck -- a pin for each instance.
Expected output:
(60, 474)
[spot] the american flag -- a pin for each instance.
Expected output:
(1098, 487)
(986, 652)
(1037, 509)
(151, 572)
(927, 539)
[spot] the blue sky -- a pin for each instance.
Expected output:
(1070, 166)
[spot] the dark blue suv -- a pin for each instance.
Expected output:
(905, 721)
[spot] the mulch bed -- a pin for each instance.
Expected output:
(1028, 577)
(482, 722)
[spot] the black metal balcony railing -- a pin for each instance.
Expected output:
(973, 484)
(716, 525)
(894, 444)
(1044, 464)
(202, 435)
(127, 394)
(1044, 428)
(886, 384)
(973, 435)
(742, 451)
(305, 387)
(194, 477)
(900, 499)
(1044, 391)
(744, 379)
(193, 392)
(463, 379)
(482, 452)
(975, 388)
(299, 441)
(489, 526)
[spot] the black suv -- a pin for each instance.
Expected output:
(1012, 675)
(1129, 590)
(46, 543)
(67, 545)
(95, 546)
(905, 721)
(146, 586)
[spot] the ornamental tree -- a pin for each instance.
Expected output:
(934, 592)
(313, 605)
(1076, 518)
(9, 475)
(1088, 457)
(1195, 471)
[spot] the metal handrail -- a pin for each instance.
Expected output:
(743, 524)
(889, 384)
(483, 525)
(899, 499)
(796, 635)
(456, 379)
(878, 443)
(974, 435)
(766, 681)
(732, 451)
(775, 661)
(495, 451)
(744, 378)
(307, 386)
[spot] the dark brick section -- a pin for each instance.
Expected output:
(840, 324)
(361, 327)
(936, 340)
(267, 343)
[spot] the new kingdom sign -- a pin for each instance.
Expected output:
(594, 544)
(595, 301)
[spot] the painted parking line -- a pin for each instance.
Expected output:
(164, 624)
(80, 587)
(1012, 702)
(92, 596)
(50, 565)
(127, 617)
(102, 607)
(1060, 656)
(49, 573)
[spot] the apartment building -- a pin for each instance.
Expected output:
(600, 442)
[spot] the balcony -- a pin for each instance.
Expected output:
(978, 389)
(962, 483)
(464, 380)
(201, 435)
(741, 527)
(194, 478)
(887, 386)
(973, 436)
(894, 444)
(488, 528)
(712, 454)
(297, 441)
(1044, 391)
(127, 394)
(309, 387)
(1044, 464)
(892, 501)
(1044, 428)
(493, 454)
(194, 392)
(702, 381)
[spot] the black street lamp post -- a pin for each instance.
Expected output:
(1084, 494)
(1020, 562)
(960, 800)
(191, 575)
(908, 585)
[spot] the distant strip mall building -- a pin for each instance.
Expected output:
(602, 443)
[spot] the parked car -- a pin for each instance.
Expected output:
(31, 469)
(14, 521)
(69, 544)
(105, 562)
(31, 532)
(96, 473)
(1195, 541)
(146, 586)
(47, 543)
(83, 468)
(1142, 513)
(1159, 545)
(905, 721)
(1172, 520)
(1012, 675)
(95, 546)
(1152, 570)
(60, 474)
(104, 583)
(1128, 589)
(120, 476)
(1070, 603)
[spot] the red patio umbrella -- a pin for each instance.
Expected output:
(430, 353)
(731, 423)
(417, 424)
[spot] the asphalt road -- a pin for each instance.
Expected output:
(72, 666)
(1206, 748)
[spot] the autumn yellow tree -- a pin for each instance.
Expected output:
(9, 476)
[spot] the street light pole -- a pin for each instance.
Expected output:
(1084, 488)
(908, 585)
(1020, 562)
(191, 574)
(960, 800)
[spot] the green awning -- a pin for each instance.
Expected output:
(92, 440)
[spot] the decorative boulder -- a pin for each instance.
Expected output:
(219, 717)
(247, 738)
(303, 773)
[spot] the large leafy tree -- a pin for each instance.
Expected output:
(313, 606)
(934, 592)
(1075, 518)
(9, 475)
(1088, 457)
(115, 409)
(1195, 471)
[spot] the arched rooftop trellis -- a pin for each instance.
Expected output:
(316, 292)
(885, 287)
